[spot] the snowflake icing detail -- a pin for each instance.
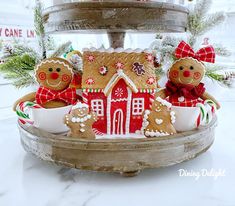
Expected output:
(90, 81)
(119, 92)
(138, 69)
(150, 58)
(103, 70)
(151, 80)
(90, 58)
(119, 65)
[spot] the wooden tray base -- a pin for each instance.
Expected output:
(125, 156)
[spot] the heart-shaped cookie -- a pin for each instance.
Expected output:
(158, 121)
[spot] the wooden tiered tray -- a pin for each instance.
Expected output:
(126, 156)
(115, 18)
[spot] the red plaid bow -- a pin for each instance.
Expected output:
(45, 95)
(206, 54)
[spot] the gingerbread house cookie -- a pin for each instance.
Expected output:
(118, 85)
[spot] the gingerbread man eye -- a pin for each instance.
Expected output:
(58, 69)
(191, 68)
(50, 70)
(181, 68)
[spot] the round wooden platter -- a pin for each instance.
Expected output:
(115, 17)
(125, 156)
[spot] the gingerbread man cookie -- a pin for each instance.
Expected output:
(80, 122)
(54, 76)
(159, 121)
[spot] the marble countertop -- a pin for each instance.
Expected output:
(27, 181)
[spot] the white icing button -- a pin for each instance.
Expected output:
(181, 99)
(82, 130)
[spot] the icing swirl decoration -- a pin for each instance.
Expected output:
(103, 70)
(151, 80)
(90, 58)
(149, 58)
(90, 81)
(119, 65)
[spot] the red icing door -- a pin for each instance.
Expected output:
(118, 110)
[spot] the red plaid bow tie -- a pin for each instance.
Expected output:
(45, 95)
(206, 54)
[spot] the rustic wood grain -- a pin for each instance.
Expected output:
(116, 17)
(125, 156)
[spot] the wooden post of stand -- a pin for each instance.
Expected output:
(116, 39)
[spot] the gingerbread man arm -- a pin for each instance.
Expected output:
(161, 93)
(29, 97)
(68, 120)
(93, 117)
(206, 96)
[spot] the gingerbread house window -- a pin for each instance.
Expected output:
(138, 106)
(98, 107)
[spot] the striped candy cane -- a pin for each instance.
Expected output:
(22, 111)
(85, 96)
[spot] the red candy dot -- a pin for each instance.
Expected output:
(42, 76)
(197, 75)
(174, 74)
(66, 78)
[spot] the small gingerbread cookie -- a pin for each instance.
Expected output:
(159, 121)
(80, 122)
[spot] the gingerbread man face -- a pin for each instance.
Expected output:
(81, 112)
(158, 106)
(54, 73)
(187, 71)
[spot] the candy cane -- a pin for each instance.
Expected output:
(21, 111)
(211, 111)
(203, 113)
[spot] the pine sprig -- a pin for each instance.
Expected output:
(64, 48)
(39, 28)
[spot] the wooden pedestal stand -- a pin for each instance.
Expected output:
(127, 156)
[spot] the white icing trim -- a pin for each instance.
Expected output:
(118, 50)
(95, 103)
(155, 134)
(109, 114)
(164, 102)
(79, 120)
(173, 117)
(116, 77)
(119, 100)
(54, 62)
(80, 106)
(119, 126)
(145, 120)
(137, 105)
(128, 115)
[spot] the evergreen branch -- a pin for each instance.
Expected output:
(222, 51)
(20, 49)
(201, 8)
(39, 27)
(212, 21)
(64, 48)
